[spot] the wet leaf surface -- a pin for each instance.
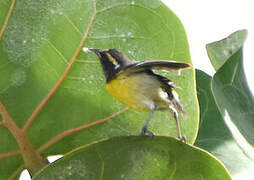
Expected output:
(40, 42)
(136, 158)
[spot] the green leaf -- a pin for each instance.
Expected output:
(4, 6)
(214, 135)
(219, 52)
(40, 42)
(136, 158)
(232, 94)
(9, 165)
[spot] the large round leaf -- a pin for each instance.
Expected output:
(215, 137)
(231, 92)
(136, 158)
(39, 44)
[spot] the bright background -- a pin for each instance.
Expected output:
(207, 21)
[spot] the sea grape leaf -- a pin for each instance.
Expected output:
(214, 135)
(136, 158)
(41, 39)
(220, 51)
(232, 94)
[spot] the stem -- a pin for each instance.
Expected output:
(33, 161)
(70, 131)
(8, 154)
(7, 19)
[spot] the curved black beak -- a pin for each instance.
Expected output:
(96, 51)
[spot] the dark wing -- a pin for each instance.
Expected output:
(168, 86)
(163, 65)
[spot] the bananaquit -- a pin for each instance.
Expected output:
(138, 87)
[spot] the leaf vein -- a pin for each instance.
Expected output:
(57, 51)
(57, 74)
(73, 25)
(70, 131)
(102, 171)
(8, 154)
(118, 126)
(7, 19)
(113, 6)
(4, 89)
(65, 73)
(173, 172)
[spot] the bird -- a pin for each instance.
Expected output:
(136, 85)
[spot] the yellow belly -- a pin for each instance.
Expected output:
(127, 90)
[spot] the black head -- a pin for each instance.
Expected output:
(112, 61)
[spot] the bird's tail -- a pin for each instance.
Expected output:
(176, 103)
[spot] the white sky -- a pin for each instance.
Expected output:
(207, 21)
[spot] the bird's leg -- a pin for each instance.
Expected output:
(175, 114)
(144, 129)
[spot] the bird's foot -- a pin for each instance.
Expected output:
(145, 131)
(182, 138)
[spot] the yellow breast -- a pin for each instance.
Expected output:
(127, 90)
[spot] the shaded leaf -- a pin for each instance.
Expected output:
(232, 95)
(136, 158)
(214, 135)
(39, 43)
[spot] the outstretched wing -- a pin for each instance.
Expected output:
(164, 65)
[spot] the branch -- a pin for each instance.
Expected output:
(7, 19)
(8, 154)
(67, 70)
(5, 115)
(33, 161)
(70, 131)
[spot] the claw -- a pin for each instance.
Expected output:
(145, 131)
(182, 138)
